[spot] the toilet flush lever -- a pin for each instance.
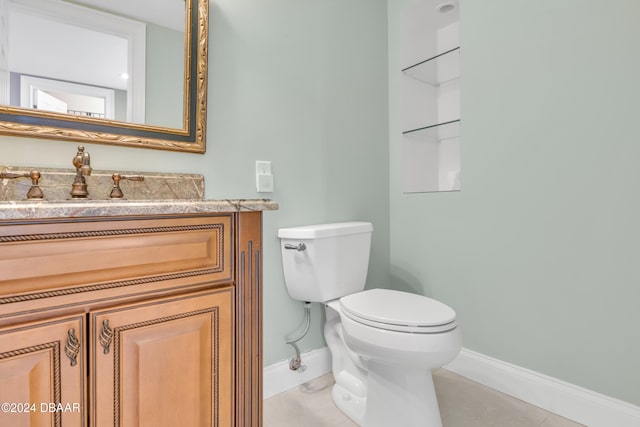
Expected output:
(299, 247)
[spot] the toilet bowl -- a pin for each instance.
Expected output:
(399, 352)
(383, 342)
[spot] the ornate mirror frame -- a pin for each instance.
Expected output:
(40, 124)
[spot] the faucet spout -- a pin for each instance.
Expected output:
(82, 163)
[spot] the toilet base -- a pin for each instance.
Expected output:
(400, 396)
(350, 404)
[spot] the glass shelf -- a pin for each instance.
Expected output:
(437, 132)
(438, 69)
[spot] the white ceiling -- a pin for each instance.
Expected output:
(166, 13)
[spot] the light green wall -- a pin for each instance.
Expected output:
(286, 88)
(303, 84)
(539, 251)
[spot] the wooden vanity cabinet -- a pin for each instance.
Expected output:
(119, 321)
(36, 372)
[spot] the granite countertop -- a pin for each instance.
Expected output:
(81, 208)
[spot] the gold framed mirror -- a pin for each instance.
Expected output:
(38, 105)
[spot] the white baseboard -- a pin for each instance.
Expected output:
(570, 401)
(278, 377)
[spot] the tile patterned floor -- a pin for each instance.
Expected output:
(463, 403)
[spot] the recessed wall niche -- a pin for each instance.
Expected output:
(430, 65)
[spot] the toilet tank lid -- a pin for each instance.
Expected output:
(325, 230)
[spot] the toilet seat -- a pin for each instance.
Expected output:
(398, 311)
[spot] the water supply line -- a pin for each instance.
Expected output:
(295, 364)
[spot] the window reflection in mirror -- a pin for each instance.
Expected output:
(118, 59)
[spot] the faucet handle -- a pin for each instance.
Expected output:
(13, 175)
(34, 192)
(116, 192)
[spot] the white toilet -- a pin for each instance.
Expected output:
(383, 343)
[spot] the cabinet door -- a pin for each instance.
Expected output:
(42, 373)
(164, 363)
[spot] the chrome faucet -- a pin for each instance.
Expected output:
(82, 162)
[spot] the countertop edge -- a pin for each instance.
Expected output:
(110, 208)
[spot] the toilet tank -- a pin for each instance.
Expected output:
(332, 264)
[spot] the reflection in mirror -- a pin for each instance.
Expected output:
(44, 41)
(65, 97)
(112, 71)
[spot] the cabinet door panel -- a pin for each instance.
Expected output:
(39, 385)
(169, 362)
